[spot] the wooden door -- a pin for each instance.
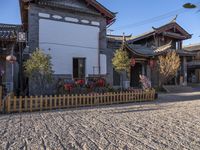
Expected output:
(135, 72)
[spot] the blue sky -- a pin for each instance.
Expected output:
(130, 14)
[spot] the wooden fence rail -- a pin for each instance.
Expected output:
(39, 103)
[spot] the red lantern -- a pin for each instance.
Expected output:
(151, 63)
(11, 58)
(133, 61)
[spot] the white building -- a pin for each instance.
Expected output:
(73, 32)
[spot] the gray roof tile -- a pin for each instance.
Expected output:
(143, 50)
(8, 32)
(192, 47)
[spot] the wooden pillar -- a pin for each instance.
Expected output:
(143, 69)
(148, 72)
(197, 74)
(184, 71)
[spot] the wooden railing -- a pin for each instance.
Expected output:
(194, 63)
(24, 104)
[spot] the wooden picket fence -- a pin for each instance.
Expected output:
(29, 104)
(1, 98)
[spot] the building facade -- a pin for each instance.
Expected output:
(73, 32)
(10, 57)
(146, 48)
(193, 63)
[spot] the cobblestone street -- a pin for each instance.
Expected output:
(172, 122)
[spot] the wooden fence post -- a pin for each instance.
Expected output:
(36, 102)
(1, 96)
(114, 98)
(31, 103)
(26, 103)
(15, 103)
(59, 102)
(50, 103)
(68, 98)
(76, 100)
(129, 96)
(84, 102)
(153, 94)
(55, 101)
(8, 104)
(101, 99)
(72, 100)
(64, 101)
(111, 98)
(20, 104)
(46, 102)
(41, 102)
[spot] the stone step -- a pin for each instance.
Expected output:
(177, 89)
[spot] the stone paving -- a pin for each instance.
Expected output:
(172, 122)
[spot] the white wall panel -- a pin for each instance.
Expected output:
(103, 64)
(44, 15)
(63, 41)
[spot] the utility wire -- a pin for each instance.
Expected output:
(151, 20)
(154, 19)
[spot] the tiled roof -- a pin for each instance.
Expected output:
(185, 53)
(163, 48)
(192, 47)
(59, 3)
(141, 36)
(8, 32)
(149, 51)
(159, 29)
(119, 37)
(141, 50)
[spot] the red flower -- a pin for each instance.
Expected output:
(101, 82)
(68, 86)
(80, 82)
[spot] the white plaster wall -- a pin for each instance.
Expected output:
(63, 41)
(103, 64)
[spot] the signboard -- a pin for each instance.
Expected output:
(21, 37)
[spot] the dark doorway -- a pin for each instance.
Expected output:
(78, 68)
(116, 78)
(135, 72)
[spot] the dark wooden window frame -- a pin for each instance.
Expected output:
(76, 70)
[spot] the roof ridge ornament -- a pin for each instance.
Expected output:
(124, 39)
(175, 18)
(154, 28)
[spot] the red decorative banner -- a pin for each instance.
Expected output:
(133, 62)
(152, 63)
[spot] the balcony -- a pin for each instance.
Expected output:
(193, 63)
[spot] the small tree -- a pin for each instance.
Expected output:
(39, 70)
(121, 62)
(168, 67)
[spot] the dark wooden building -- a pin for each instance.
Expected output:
(146, 48)
(193, 64)
(8, 46)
